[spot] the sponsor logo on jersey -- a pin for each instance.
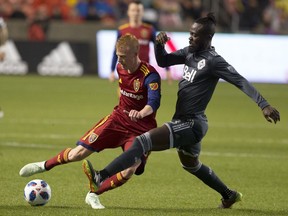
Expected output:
(153, 86)
(92, 138)
(189, 73)
(131, 95)
(136, 85)
(201, 64)
(143, 42)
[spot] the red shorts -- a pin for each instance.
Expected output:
(110, 133)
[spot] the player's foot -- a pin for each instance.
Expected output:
(32, 168)
(227, 203)
(92, 175)
(93, 200)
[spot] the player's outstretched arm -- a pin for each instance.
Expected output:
(270, 113)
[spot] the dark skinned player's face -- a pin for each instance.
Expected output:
(198, 39)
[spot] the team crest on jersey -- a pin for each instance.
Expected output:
(153, 86)
(136, 85)
(201, 64)
(144, 33)
(92, 138)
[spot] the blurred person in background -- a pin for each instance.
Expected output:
(192, 10)
(3, 38)
(144, 32)
(39, 24)
(169, 13)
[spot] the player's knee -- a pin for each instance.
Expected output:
(127, 173)
(192, 167)
(78, 154)
(144, 142)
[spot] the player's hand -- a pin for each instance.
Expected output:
(134, 115)
(112, 77)
(270, 113)
(162, 38)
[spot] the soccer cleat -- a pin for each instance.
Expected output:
(93, 200)
(32, 168)
(227, 203)
(92, 175)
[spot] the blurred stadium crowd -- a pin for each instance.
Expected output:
(234, 16)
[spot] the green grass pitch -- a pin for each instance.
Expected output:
(43, 115)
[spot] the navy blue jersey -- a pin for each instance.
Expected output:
(201, 73)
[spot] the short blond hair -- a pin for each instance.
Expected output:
(128, 41)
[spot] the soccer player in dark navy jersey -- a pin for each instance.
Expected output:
(203, 67)
(140, 90)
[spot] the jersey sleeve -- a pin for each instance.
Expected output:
(228, 73)
(153, 35)
(153, 85)
(165, 59)
(114, 57)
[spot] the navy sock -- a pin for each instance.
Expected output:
(207, 175)
(127, 158)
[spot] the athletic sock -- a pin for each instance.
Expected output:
(61, 158)
(227, 193)
(207, 175)
(127, 158)
(111, 183)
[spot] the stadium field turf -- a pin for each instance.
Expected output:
(43, 115)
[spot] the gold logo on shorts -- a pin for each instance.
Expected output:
(92, 138)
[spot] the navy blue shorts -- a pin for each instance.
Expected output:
(187, 134)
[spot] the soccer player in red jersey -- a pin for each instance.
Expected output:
(139, 85)
(144, 32)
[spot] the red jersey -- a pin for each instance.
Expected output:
(134, 95)
(137, 90)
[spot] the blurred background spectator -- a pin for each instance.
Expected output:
(249, 16)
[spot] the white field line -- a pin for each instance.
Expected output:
(26, 121)
(38, 135)
(31, 145)
(47, 121)
(205, 140)
(205, 153)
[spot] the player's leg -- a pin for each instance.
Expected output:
(118, 179)
(141, 146)
(122, 177)
(156, 139)
(65, 156)
(191, 164)
(85, 146)
(189, 151)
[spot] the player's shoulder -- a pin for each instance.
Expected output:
(211, 54)
(147, 69)
(147, 26)
(124, 26)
